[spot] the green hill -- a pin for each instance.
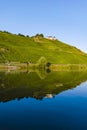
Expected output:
(24, 48)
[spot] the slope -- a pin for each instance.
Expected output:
(22, 48)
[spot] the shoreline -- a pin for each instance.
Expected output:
(53, 67)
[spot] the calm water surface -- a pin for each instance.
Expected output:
(43, 101)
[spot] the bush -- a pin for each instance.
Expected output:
(42, 62)
(39, 35)
(21, 35)
(48, 64)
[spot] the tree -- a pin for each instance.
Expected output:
(42, 62)
(21, 35)
(39, 35)
(48, 64)
(27, 35)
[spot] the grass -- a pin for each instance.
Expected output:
(22, 49)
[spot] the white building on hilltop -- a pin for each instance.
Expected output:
(51, 37)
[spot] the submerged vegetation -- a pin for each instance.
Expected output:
(21, 48)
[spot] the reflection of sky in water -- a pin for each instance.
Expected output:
(80, 90)
(66, 111)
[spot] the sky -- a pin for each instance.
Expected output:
(64, 19)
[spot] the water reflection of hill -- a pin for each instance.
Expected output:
(20, 85)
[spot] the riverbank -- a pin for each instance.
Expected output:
(53, 67)
(69, 67)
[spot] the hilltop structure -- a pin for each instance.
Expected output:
(51, 37)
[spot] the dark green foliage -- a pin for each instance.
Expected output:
(6, 32)
(27, 35)
(39, 35)
(21, 35)
(48, 64)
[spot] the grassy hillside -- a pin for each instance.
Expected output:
(23, 48)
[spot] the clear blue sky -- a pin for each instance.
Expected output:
(65, 19)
